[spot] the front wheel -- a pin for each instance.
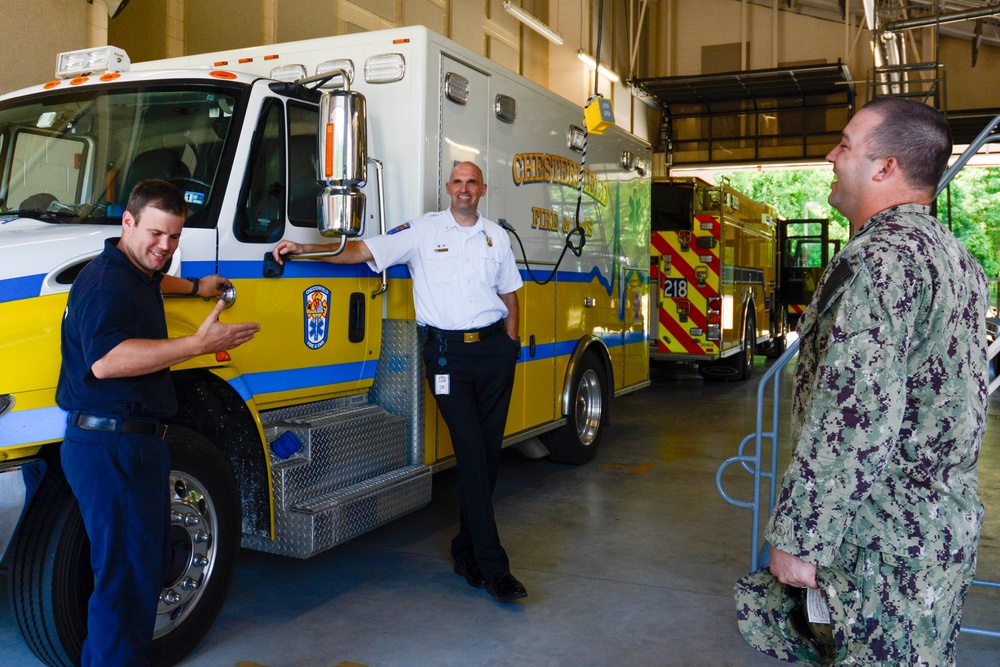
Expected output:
(51, 580)
(589, 410)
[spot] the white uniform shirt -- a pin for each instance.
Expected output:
(458, 272)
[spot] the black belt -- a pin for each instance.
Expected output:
(470, 336)
(114, 424)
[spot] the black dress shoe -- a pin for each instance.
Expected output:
(470, 570)
(506, 588)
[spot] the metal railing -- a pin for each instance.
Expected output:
(753, 462)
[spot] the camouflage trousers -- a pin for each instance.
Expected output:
(885, 610)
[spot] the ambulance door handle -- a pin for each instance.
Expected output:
(384, 285)
(589, 302)
(356, 318)
(531, 345)
(229, 295)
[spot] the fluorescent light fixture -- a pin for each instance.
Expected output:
(589, 61)
(532, 22)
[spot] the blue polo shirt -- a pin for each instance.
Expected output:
(112, 301)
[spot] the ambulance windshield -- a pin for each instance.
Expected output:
(74, 156)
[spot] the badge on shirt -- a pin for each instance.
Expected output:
(403, 226)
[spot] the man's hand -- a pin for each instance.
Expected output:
(286, 248)
(212, 286)
(217, 336)
(792, 570)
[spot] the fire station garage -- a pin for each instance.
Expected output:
(314, 492)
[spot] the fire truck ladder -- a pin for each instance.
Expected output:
(754, 461)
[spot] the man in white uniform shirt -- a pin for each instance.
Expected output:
(464, 293)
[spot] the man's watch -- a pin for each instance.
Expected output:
(196, 282)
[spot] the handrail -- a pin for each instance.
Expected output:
(753, 463)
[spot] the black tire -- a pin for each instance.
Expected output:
(739, 366)
(743, 362)
(51, 580)
(779, 329)
(576, 442)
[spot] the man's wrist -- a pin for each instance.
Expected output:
(196, 283)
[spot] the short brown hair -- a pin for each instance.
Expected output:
(913, 133)
(159, 194)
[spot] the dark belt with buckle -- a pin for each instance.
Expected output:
(470, 336)
(114, 424)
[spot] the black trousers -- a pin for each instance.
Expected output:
(481, 377)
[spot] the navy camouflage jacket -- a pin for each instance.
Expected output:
(890, 399)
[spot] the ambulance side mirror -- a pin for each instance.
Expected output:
(342, 151)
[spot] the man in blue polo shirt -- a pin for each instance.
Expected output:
(115, 383)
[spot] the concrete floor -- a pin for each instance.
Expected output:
(629, 561)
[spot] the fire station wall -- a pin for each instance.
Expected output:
(215, 25)
(37, 31)
(143, 35)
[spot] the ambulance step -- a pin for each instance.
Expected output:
(319, 523)
(338, 448)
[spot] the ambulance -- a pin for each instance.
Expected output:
(713, 262)
(321, 428)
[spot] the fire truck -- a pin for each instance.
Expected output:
(805, 248)
(321, 428)
(713, 260)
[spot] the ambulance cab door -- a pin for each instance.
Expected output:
(320, 329)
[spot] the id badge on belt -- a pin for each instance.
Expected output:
(442, 384)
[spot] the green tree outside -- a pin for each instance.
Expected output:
(972, 212)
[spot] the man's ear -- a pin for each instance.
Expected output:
(890, 168)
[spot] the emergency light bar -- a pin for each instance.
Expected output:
(71, 64)
(289, 73)
(385, 68)
(345, 64)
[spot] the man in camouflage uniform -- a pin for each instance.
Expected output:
(878, 506)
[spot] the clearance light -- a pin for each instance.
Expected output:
(73, 64)
(385, 68)
(289, 73)
(222, 356)
(345, 64)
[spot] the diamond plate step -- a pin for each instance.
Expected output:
(340, 447)
(322, 522)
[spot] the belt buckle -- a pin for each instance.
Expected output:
(471, 337)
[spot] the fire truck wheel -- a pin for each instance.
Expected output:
(576, 442)
(778, 342)
(51, 580)
(743, 362)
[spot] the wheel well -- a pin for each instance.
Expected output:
(583, 346)
(208, 405)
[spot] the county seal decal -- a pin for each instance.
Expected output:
(316, 309)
